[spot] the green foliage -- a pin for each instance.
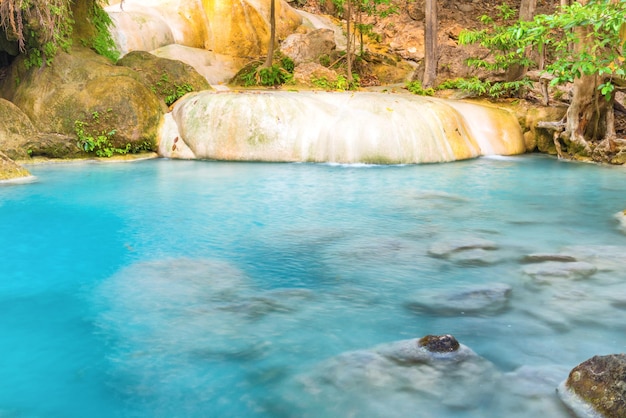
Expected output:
(40, 28)
(596, 24)
(325, 60)
(340, 84)
(98, 143)
(102, 42)
(416, 87)
(169, 91)
(451, 84)
(494, 90)
(94, 138)
(288, 64)
(254, 74)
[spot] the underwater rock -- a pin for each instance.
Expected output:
(604, 257)
(404, 374)
(596, 388)
(529, 392)
(447, 248)
(543, 257)
(475, 257)
(621, 218)
(550, 270)
(481, 299)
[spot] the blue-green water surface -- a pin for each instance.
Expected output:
(206, 289)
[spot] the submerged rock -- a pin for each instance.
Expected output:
(529, 392)
(434, 373)
(596, 388)
(473, 300)
(448, 248)
(621, 218)
(604, 257)
(550, 270)
(543, 257)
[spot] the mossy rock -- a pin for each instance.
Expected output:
(168, 79)
(9, 170)
(16, 130)
(597, 387)
(79, 85)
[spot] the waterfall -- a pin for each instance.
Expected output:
(359, 127)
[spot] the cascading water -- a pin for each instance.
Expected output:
(335, 127)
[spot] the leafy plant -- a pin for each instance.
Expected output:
(416, 87)
(39, 27)
(340, 84)
(170, 91)
(602, 21)
(93, 138)
(98, 143)
(102, 42)
(254, 74)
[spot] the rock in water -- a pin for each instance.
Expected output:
(435, 374)
(597, 387)
(483, 299)
(10, 170)
(439, 343)
(621, 218)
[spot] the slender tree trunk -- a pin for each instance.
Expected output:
(349, 41)
(270, 47)
(430, 44)
(589, 117)
(526, 13)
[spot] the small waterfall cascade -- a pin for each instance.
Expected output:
(360, 127)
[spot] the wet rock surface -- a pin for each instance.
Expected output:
(597, 387)
(439, 343)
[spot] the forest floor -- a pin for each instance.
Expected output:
(403, 34)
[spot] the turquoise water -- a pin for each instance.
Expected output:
(207, 289)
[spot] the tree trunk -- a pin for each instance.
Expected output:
(526, 13)
(349, 41)
(590, 118)
(270, 47)
(430, 44)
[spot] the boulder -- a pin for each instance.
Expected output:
(15, 131)
(170, 79)
(306, 74)
(9, 170)
(596, 388)
(309, 47)
(85, 90)
(20, 140)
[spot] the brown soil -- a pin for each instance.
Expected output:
(402, 32)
